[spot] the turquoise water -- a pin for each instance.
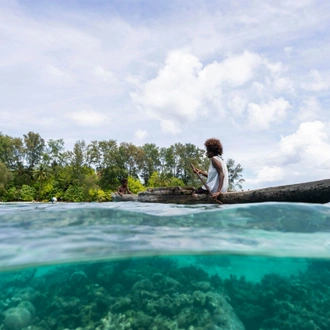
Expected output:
(154, 266)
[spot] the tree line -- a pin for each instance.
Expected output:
(34, 169)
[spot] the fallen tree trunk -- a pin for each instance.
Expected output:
(309, 192)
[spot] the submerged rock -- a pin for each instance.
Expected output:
(17, 318)
(143, 285)
(223, 315)
(26, 293)
(29, 306)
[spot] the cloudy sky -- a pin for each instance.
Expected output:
(255, 74)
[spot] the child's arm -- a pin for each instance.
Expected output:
(198, 171)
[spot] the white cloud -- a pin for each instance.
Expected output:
(175, 93)
(284, 84)
(309, 110)
(184, 90)
(298, 157)
(262, 115)
(235, 70)
(56, 76)
(275, 68)
(168, 126)
(87, 118)
(280, 82)
(140, 134)
(288, 50)
(237, 104)
(55, 71)
(258, 88)
(267, 174)
(310, 144)
(314, 82)
(104, 75)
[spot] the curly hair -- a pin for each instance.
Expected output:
(214, 145)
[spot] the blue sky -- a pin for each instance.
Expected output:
(256, 75)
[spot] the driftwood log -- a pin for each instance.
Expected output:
(309, 192)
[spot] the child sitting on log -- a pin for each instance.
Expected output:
(123, 189)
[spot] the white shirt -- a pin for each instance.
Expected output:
(213, 176)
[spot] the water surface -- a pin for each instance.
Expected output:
(155, 266)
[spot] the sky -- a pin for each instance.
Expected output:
(254, 74)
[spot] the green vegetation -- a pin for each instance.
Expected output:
(32, 169)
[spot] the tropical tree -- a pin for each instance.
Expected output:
(164, 180)
(167, 161)
(131, 158)
(186, 155)
(151, 161)
(94, 155)
(5, 178)
(40, 174)
(34, 146)
(235, 177)
(56, 152)
(12, 194)
(109, 154)
(105, 157)
(11, 151)
(28, 193)
(78, 162)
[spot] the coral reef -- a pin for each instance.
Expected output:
(159, 294)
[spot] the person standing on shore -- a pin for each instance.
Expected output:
(217, 175)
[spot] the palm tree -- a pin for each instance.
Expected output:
(40, 174)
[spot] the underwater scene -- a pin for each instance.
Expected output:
(164, 267)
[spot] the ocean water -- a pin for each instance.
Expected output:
(146, 266)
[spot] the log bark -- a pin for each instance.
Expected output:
(124, 198)
(309, 192)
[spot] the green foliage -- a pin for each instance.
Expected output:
(48, 190)
(40, 174)
(110, 177)
(74, 194)
(12, 194)
(162, 180)
(55, 152)
(34, 146)
(157, 180)
(151, 161)
(92, 191)
(5, 178)
(131, 158)
(11, 151)
(28, 193)
(176, 182)
(135, 185)
(90, 172)
(98, 195)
